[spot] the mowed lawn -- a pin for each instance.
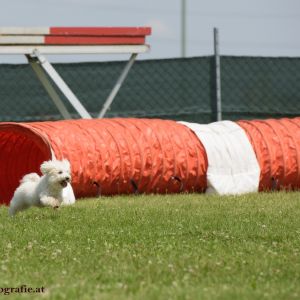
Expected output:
(156, 247)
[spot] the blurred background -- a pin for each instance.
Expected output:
(259, 49)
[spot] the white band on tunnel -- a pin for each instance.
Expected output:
(232, 164)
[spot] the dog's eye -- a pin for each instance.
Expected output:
(60, 172)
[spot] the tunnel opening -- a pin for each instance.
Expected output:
(22, 150)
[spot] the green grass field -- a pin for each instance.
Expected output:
(156, 247)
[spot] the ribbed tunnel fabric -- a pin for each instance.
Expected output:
(277, 147)
(119, 155)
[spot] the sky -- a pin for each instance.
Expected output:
(253, 28)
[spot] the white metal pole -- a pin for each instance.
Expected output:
(117, 86)
(217, 74)
(62, 86)
(48, 87)
(183, 28)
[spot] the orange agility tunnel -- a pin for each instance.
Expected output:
(277, 147)
(115, 156)
(123, 156)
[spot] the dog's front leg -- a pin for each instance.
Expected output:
(50, 201)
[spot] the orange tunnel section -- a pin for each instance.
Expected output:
(277, 147)
(120, 155)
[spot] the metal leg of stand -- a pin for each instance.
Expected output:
(48, 87)
(117, 86)
(47, 67)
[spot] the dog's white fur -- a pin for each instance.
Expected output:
(52, 189)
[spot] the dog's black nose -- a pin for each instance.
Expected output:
(68, 178)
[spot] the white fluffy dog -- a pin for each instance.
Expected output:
(52, 189)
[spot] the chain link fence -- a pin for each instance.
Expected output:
(179, 89)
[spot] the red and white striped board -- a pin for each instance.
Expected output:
(73, 35)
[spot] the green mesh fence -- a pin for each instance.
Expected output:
(256, 87)
(179, 89)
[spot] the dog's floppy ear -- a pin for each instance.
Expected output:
(46, 167)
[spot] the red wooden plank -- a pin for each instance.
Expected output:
(92, 40)
(101, 31)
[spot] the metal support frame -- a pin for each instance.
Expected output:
(42, 68)
(48, 75)
(117, 86)
(48, 87)
(41, 61)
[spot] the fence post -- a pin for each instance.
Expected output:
(217, 75)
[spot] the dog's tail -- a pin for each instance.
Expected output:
(32, 177)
